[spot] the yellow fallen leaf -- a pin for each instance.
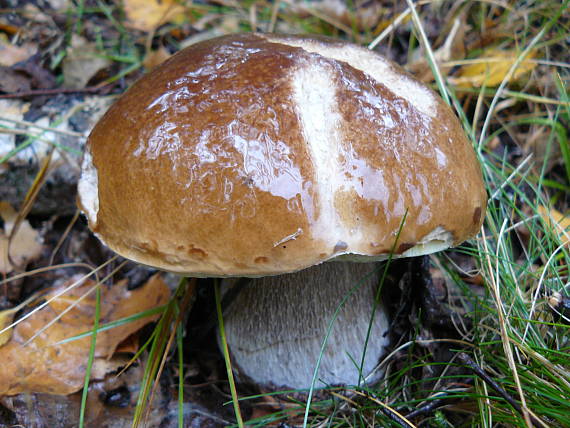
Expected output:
(492, 68)
(43, 365)
(6, 318)
(559, 223)
(25, 244)
(147, 15)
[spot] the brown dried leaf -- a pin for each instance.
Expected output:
(81, 63)
(7, 318)
(146, 15)
(44, 366)
(12, 82)
(60, 5)
(364, 14)
(26, 243)
(40, 76)
(536, 140)
(111, 402)
(559, 223)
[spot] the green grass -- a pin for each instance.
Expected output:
(91, 358)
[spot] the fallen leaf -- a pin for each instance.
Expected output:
(82, 62)
(557, 221)
(60, 5)
(12, 82)
(36, 14)
(6, 318)
(363, 14)
(220, 26)
(147, 15)
(12, 110)
(111, 402)
(386, 22)
(26, 244)
(44, 365)
(7, 28)
(129, 345)
(491, 69)
(40, 76)
(536, 141)
(11, 54)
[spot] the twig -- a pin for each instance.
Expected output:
(468, 361)
(426, 409)
(55, 91)
(42, 128)
(388, 411)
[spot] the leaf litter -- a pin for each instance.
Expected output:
(44, 365)
(25, 244)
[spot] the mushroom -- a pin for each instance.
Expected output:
(261, 154)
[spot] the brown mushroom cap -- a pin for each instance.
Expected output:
(259, 154)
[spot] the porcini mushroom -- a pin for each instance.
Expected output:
(260, 154)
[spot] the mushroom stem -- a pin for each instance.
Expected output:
(276, 326)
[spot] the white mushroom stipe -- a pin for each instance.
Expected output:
(278, 344)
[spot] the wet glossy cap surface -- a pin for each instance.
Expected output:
(261, 154)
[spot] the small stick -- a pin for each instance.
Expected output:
(395, 418)
(425, 409)
(54, 91)
(468, 361)
(388, 411)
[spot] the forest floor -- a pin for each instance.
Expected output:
(480, 333)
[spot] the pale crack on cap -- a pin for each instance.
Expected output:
(88, 188)
(373, 65)
(314, 93)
